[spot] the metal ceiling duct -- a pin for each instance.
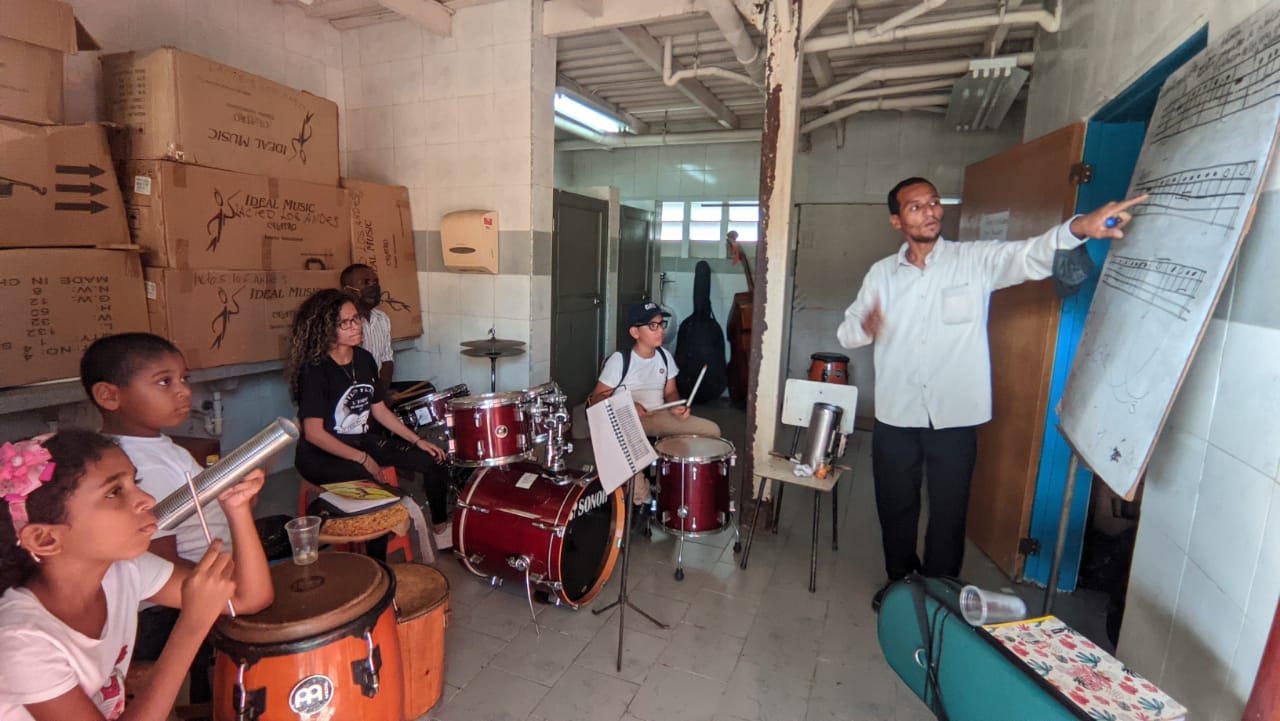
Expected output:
(981, 99)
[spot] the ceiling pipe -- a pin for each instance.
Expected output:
(609, 142)
(826, 96)
(946, 83)
(916, 103)
(726, 17)
(673, 79)
(904, 17)
(1048, 21)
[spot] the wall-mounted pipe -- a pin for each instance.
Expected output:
(904, 17)
(711, 137)
(578, 129)
(673, 79)
(1050, 22)
(726, 17)
(826, 96)
(916, 103)
(904, 89)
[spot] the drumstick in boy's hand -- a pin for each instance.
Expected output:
(195, 496)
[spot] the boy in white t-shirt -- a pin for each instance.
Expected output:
(650, 375)
(139, 383)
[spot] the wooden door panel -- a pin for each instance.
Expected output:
(577, 292)
(1031, 183)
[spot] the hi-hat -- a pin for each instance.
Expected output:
(492, 353)
(492, 343)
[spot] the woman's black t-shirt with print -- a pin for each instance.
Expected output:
(341, 395)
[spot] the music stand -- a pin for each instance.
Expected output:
(623, 602)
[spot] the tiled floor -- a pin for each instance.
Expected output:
(743, 645)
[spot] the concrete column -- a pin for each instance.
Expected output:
(783, 65)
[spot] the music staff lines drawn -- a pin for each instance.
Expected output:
(1211, 195)
(1160, 283)
(1219, 91)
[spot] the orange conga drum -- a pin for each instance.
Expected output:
(422, 607)
(327, 648)
(829, 368)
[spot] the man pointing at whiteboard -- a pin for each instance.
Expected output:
(925, 308)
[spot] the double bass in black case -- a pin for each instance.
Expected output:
(701, 342)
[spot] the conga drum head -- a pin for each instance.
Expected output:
(420, 589)
(830, 357)
(312, 600)
(695, 449)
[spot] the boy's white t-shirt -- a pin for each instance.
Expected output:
(162, 467)
(646, 378)
(44, 658)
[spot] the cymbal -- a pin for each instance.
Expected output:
(492, 343)
(494, 353)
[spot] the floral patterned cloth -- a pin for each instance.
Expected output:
(1103, 687)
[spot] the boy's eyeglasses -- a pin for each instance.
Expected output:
(348, 323)
(655, 325)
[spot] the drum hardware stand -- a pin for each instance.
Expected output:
(522, 563)
(623, 602)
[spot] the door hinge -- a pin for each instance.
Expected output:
(1081, 174)
(1029, 546)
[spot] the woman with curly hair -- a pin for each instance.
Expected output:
(334, 383)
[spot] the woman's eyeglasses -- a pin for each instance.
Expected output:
(655, 325)
(348, 323)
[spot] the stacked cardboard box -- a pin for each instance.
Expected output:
(382, 237)
(231, 187)
(61, 287)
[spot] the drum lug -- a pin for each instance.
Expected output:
(249, 705)
(520, 563)
(364, 672)
(733, 459)
(475, 417)
(542, 526)
(468, 507)
(682, 512)
(495, 581)
(724, 469)
(721, 516)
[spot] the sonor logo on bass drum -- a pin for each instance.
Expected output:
(589, 503)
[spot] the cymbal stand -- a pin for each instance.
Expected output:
(623, 602)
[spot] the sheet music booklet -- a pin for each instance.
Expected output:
(618, 440)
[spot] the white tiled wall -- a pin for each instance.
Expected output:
(454, 120)
(1206, 573)
(1105, 45)
(1206, 570)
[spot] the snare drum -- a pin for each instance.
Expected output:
(429, 409)
(490, 429)
(422, 607)
(327, 647)
(693, 478)
(517, 520)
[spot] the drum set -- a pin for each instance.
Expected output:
(524, 516)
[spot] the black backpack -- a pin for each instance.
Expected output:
(701, 342)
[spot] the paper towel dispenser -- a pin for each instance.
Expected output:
(469, 239)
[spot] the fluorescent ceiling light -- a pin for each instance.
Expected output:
(586, 115)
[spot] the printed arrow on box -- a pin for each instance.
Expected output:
(91, 188)
(90, 170)
(91, 207)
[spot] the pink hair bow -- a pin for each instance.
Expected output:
(24, 467)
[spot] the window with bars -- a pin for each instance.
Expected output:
(697, 228)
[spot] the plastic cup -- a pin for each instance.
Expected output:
(304, 537)
(980, 606)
